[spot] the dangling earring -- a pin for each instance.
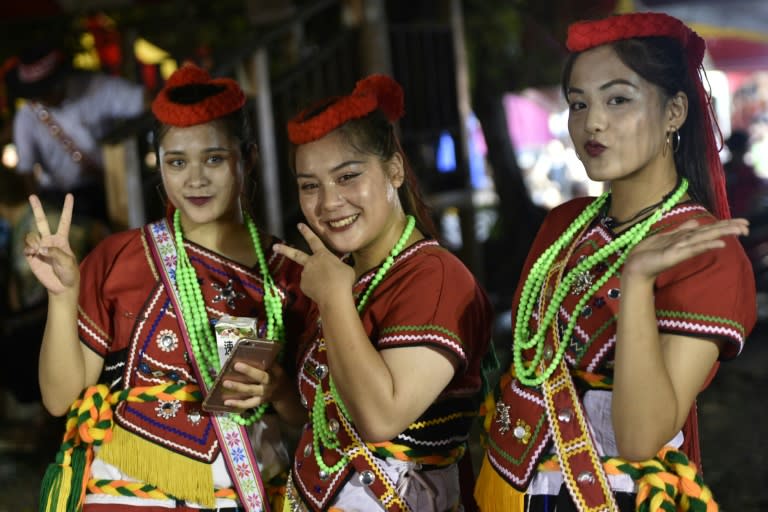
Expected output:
(668, 142)
(675, 141)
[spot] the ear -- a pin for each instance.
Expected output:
(677, 111)
(396, 170)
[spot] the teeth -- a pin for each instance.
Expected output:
(343, 222)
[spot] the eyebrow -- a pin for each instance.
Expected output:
(607, 85)
(175, 152)
(340, 166)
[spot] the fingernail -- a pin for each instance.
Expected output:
(43, 251)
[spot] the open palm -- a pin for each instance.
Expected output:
(49, 255)
(663, 251)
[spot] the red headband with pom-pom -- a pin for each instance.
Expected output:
(584, 35)
(371, 93)
(213, 107)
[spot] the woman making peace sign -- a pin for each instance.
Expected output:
(129, 347)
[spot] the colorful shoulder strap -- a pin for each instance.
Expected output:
(233, 438)
(580, 463)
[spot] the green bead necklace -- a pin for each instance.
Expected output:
(528, 372)
(201, 336)
(323, 436)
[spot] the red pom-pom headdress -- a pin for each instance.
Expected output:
(213, 107)
(584, 35)
(371, 93)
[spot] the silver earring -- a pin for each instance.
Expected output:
(676, 141)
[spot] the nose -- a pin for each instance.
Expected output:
(595, 120)
(196, 177)
(330, 197)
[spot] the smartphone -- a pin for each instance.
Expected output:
(258, 353)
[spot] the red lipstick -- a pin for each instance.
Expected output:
(594, 148)
(199, 201)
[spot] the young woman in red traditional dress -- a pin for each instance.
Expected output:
(629, 300)
(392, 374)
(129, 347)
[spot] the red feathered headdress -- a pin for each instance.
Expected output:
(213, 107)
(371, 93)
(584, 35)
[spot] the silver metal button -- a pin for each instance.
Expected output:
(367, 477)
(308, 450)
(565, 415)
(586, 477)
(333, 425)
(321, 371)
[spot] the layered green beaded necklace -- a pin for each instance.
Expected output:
(323, 434)
(528, 372)
(195, 316)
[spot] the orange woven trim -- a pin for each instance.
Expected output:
(584, 35)
(227, 101)
(371, 93)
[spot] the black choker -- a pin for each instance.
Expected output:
(612, 223)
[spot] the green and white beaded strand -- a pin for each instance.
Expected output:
(195, 315)
(322, 435)
(528, 373)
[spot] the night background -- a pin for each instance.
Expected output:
(483, 130)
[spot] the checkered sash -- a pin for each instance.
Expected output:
(233, 438)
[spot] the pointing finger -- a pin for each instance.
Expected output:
(291, 253)
(312, 239)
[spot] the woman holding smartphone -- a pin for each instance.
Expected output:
(129, 347)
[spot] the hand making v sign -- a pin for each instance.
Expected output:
(324, 273)
(49, 255)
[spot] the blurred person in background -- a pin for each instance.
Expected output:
(58, 128)
(744, 186)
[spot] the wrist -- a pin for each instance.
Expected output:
(632, 276)
(70, 295)
(636, 282)
(334, 299)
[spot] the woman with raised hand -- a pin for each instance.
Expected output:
(393, 373)
(628, 300)
(130, 348)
